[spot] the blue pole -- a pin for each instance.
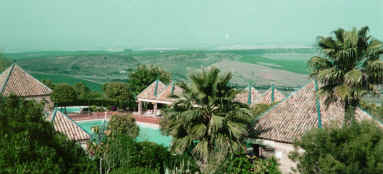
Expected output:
(156, 88)
(317, 102)
(172, 93)
(249, 95)
(272, 93)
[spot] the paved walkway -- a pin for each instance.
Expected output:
(101, 115)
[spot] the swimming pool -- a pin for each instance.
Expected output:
(148, 132)
(71, 109)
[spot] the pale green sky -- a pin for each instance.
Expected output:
(102, 24)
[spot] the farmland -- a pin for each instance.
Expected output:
(283, 67)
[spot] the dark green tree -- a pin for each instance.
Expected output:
(49, 84)
(64, 93)
(206, 120)
(144, 75)
(355, 149)
(82, 91)
(123, 124)
(349, 69)
(4, 63)
(245, 164)
(136, 170)
(120, 92)
(122, 153)
(29, 144)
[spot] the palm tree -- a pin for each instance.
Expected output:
(350, 68)
(206, 122)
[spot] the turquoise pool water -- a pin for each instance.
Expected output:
(70, 109)
(147, 133)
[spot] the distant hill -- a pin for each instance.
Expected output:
(284, 67)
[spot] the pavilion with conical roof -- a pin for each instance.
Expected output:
(150, 94)
(272, 95)
(16, 81)
(171, 93)
(290, 119)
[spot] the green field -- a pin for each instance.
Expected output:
(97, 67)
(67, 79)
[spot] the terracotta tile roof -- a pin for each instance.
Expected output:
(68, 127)
(266, 97)
(166, 94)
(297, 114)
(149, 92)
(243, 96)
(16, 81)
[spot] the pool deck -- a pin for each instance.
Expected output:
(101, 115)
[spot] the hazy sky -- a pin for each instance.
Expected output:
(103, 24)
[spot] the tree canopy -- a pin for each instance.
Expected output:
(356, 149)
(350, 67)
(123, 124)
(144, 75)
(121, 93)
(49, 84)
(64, 93)
(206, 121)
(4, 63)
(29, 144)
(82, 91)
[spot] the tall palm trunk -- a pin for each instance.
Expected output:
(349, 112)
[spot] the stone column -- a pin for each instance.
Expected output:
(154, 108)
(140, 107)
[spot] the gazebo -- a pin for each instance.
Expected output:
(158, 93)
(150, 95)
(16, 81)
(171, 93)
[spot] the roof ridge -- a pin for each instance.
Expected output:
(90, 135)
(159, 82)
(54, 115)
(38, 81)
(166, 87)
(7, 79)
(282, 101)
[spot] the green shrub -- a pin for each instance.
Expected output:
(122, 151)
(136, 170)
(356, 149)
(29, 144)
(123, 124)
(248, 165)
(183, 164)
(151, 155)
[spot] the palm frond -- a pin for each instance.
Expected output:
(317, 64)
(201, 150)
(375, 71)
(355, 78)
(344, 92)
(330, 75)
(339, 34)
